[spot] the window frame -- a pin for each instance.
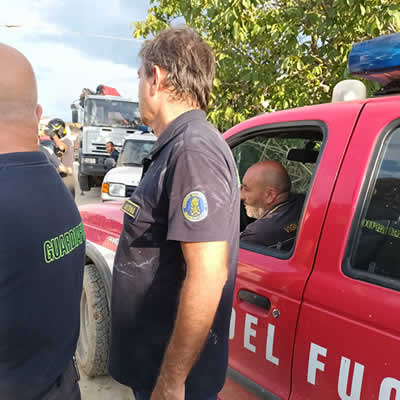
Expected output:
(272, 130)
(363, 202)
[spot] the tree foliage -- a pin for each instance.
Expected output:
(274, 54)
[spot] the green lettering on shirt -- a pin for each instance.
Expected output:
(61, 245)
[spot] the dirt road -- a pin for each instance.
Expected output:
(103, 388)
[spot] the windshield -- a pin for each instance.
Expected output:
(133, 152)
(106, 112)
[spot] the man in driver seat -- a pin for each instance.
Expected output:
(265, 193)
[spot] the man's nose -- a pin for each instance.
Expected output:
(242, 196)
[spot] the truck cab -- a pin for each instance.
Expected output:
(317, 319)
(105, 118)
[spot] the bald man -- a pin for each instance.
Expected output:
(42, 251)
(265, 192)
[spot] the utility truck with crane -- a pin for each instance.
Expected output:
(105, 117)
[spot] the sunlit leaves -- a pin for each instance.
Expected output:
(274, 53)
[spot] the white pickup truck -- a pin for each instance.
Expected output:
(121, 181)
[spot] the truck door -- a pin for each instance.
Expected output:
(270, 281)
(348, 339)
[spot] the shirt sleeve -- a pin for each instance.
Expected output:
(200, 198)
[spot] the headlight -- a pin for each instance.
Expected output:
(89, 160)
(116, 189)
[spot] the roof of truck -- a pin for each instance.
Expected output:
(115, 98)
(139, 135)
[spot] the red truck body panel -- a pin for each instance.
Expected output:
(347, 317)
(103, 222)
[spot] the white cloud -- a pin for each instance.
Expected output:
(48, 38)
(61, 85)
(62, 72)
(29, 15)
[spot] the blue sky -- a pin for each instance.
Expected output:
(74, 44)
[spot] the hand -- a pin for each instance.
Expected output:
(164, 392)
(50, 133)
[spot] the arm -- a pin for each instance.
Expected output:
(59, 143)
(206, 275)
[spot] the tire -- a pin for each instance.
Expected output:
(84, 183)
(93, 344)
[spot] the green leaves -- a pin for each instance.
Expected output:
(280, 53)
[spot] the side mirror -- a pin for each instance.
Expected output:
(109, 163)
(75, 116)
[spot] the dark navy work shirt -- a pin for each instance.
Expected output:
(114, 155)
(42, 250)
(189, 193)
(277, 228)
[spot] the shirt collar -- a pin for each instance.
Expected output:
(275, 207)
(172, 130)
(22, 157)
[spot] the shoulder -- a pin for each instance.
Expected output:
(296, 202)
(200, 136)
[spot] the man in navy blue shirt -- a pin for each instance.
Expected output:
(175, 266)
(265, 192)
(42, 250)
(112, 151)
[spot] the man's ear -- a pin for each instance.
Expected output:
(38, 112)
(270, 195)
(157, 79)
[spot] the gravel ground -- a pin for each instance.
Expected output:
(103, 388)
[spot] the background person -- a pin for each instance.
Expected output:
(175, 266)
(57, 131)
(265, 192)
(42, 251)
(58, 165)
(112, 151)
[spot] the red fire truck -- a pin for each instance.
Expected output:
(317, 321)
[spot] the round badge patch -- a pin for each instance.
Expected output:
(195, 207)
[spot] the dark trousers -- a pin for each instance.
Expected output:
(140, 395)
(66, 386)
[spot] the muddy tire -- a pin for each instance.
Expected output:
(93, 343)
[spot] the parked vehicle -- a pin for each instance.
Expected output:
(318, 321)
(104, 118)
(120, 182)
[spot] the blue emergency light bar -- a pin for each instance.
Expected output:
(377, 59)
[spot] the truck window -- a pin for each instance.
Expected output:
(133, 152)
(297, 151)
(375, 256)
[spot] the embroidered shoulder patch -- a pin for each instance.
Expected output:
(130, 208)
(195, 207)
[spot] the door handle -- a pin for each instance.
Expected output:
(254, 298)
